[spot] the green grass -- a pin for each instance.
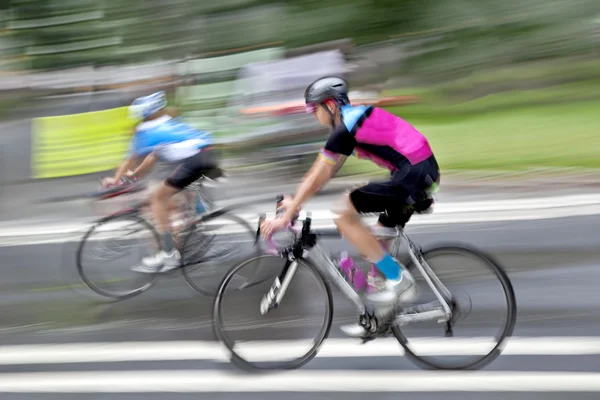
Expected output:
(553, 127)
(438, 106)
(564, 135)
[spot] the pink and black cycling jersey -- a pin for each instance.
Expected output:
(377, 135)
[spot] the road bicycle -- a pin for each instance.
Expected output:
(446, 310)
(202, 246)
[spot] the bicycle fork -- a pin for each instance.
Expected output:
(274, 296)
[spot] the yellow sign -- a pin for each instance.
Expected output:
(79, 144)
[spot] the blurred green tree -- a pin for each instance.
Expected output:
(446, 38)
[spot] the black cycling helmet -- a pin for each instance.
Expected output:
(329, 87)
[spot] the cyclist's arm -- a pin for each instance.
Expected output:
(311, 170)
(146, 165)
(142, 148)
(337, 149)
(125, 166)
(336, 168)
(322, 171)
(338, 165)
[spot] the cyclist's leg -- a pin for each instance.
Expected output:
(399, 284)
(186, 173)
(374, 198)
(352, 228)
(418, 184)
(175, 202)
(161, 171)
(390, 199)
(396, 216)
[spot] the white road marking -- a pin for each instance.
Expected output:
(282, 350)
(190, 381)
(446, 213)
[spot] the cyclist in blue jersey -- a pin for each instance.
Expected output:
(388, 141)
(160, 137)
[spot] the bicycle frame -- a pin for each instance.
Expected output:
(324, 262)
(196, 188)
(142, 205)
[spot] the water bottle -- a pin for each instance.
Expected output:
(357, 277)
(354, 274)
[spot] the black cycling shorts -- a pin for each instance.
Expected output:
(193, 168)
(407, 187)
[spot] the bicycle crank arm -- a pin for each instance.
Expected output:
(439, 314)
(421, 308)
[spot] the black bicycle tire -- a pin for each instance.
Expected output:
(510, 320)
(246, 226)
(128, 215)
(240, 361)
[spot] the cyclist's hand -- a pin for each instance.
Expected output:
(108, 181)
(285, 204)
(268, 228)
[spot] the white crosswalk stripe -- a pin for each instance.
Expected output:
(215, 377)
(297, 381)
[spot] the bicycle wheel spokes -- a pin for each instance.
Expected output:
(110, 249)
(484, 312)
(212, 247)
(287, 336)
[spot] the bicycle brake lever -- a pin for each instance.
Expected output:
(261, 218)
(307, 224)
(278, 200)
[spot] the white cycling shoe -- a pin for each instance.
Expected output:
(394, 292)
(160, 262)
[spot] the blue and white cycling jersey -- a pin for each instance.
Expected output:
(170, 139)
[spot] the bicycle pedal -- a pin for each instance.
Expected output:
(379, 333)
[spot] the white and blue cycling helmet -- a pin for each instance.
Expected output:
(145, 106)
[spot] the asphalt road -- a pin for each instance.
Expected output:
(556, 344)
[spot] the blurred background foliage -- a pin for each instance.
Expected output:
(499, 82)
(446, 39)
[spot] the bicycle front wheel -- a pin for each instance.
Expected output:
(215, 244)
(483, 305)
(282, 337)
(108, 251)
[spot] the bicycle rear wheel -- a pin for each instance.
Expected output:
(247, 331)
(215, 244)
(462, 353)
(112, 279)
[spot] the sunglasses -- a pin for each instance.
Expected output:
(310, 108)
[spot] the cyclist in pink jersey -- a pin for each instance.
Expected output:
(388, 141)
